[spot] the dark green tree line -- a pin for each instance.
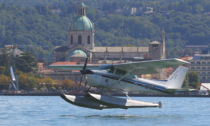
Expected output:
(34, 23)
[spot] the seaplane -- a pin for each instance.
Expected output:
(123, 77)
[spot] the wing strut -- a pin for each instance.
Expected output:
(123, 76)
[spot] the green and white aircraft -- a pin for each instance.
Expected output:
(124, 77)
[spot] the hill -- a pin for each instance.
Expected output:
(44, 24)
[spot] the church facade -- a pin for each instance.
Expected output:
(81, 45)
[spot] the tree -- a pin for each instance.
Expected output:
(5, 61)
(49, 83)
(193, 78)
(27, 81)
(2, 69)
(26, 63)
(4, 80)
(67, 83)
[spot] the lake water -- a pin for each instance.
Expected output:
(52, 110)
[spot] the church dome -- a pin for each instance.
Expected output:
(82, 22)
(76, 53)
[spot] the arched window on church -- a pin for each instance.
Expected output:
(71, 39)
(79, 39)
(88, 40)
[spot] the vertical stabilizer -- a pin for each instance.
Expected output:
(176, 80)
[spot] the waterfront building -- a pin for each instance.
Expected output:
(201, 64)
(12, 50)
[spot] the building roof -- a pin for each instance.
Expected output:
(201, 57)
(155, 42)
(76, 53)
(82, 22)
(64, 63)
(15, 52)
(187, 58)
(120, 49)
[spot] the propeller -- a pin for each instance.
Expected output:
(83, 71)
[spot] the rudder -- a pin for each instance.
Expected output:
(176, 80)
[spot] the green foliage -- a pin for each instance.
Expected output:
(5, 61)
(193, 78)
(4, 80)
(33, 23)
(27, 81)
(2, 69)
(26, 63)
(30, 82)
(67, 83)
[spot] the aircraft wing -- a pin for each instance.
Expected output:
(150, 66)
(73, 67)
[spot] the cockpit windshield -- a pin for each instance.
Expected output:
(109, 68)
(122, 73)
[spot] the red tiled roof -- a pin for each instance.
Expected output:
(187, 58)
(65, 63)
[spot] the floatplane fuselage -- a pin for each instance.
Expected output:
(127, 82)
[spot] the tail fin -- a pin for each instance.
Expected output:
(176, 80)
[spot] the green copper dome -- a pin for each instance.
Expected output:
(82, 23)
(76, 53)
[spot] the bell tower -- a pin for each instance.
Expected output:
(81, 31)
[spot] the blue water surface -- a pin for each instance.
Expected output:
(52, 110)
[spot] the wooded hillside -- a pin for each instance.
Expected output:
(186, 22)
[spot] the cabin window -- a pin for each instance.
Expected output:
(203, 62)
(71, 39)
(120, 72)
(88, 39)
(109, 68)
(79, 39)
(130, 75)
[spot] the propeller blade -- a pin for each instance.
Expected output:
(80, 80)
(85, 65)
(83, 70)
(86, 81)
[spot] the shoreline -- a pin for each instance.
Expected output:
(121, 95)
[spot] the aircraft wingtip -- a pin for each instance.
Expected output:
(183, 61)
